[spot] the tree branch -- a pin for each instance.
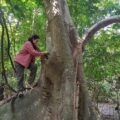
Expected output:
(98, 26)
(8, 39)
(2, 55)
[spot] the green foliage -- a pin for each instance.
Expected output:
(102, 54)
(102, 60)
(83, 13)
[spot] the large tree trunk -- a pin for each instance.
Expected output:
(62, 93)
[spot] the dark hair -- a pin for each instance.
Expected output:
(33, 37)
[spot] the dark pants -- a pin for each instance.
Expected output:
(20, 74)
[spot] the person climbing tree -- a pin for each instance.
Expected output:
(25, 59)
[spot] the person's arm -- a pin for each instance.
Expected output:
(32, 51)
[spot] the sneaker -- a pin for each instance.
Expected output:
(20, 94)
(21, 89)
(30, 86)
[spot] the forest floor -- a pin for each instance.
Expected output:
(108, 111)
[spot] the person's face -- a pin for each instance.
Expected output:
(35, 41)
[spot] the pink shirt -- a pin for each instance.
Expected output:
(27, 54)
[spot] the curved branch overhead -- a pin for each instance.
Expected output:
(98, 26)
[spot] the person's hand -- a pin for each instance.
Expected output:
(46, 55)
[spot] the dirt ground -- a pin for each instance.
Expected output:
(108, 111)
